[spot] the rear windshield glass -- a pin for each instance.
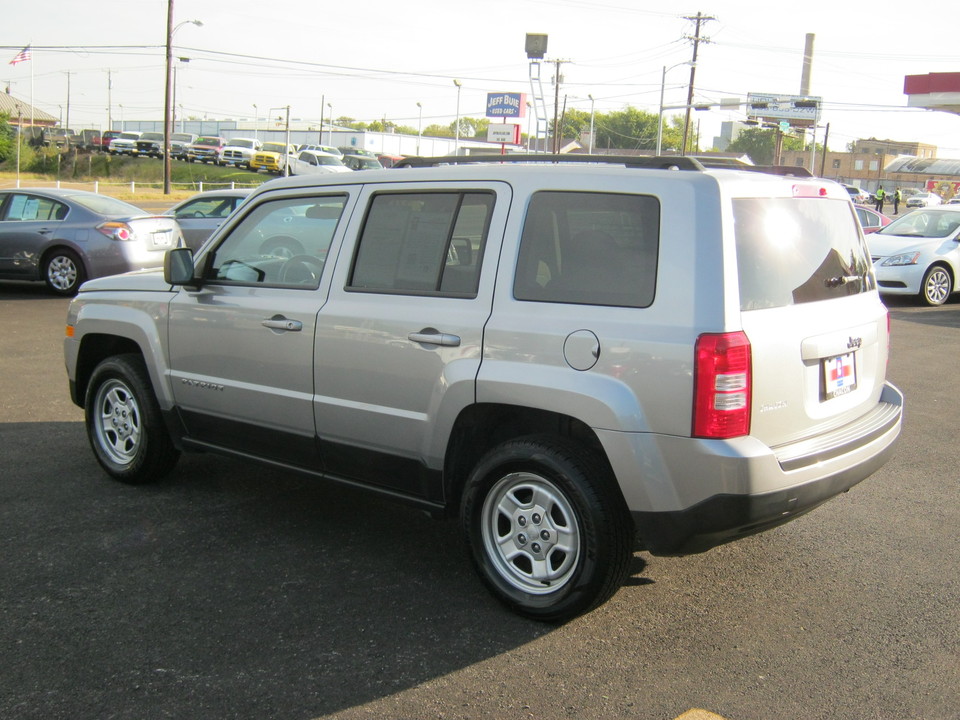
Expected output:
(792, 251)
(106, 205)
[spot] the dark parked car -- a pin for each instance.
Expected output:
(179, 142)
(90, 139)
(200, 215)
(64, 237)
(150, 144)
(361, 162)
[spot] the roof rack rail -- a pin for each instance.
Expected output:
(662, 162)
(735, 164)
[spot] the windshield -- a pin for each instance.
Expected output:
(129, 136)
(274, 147)
(209, 141)
(242, 143)
(326, 160)
(925, 224)
(793, 251)
(181, 137)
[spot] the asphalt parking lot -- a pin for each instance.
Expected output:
(234, 591)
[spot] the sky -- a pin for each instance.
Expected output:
(374, 60)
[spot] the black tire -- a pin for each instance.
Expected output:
(124, 424)
(937, 285)
(546, 528)
(63, 272)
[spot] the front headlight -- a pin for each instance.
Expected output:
(902, 259)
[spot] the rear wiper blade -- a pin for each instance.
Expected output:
(841, 280)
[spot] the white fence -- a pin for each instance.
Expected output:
(131, 187)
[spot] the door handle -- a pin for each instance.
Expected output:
(278, 322)
(431, 336)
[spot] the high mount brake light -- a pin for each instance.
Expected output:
(808, 191)
(722, 386)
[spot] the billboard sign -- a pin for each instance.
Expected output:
(504, 105)
(506, 134)
(798, 110)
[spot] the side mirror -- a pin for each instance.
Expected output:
(178, 268)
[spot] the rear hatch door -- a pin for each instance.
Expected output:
(809, 306)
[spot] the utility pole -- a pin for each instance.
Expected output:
(109, 100)
(556, 107)
(68, 100)
(698, 19)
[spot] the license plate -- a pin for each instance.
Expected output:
(163, 239)
(839, 375)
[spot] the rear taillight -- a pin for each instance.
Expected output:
(722, 386)
(116, 230)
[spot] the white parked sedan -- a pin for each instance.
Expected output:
(919, 254)
(927, 199)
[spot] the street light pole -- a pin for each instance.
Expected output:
(456, 142)
(591, 123)
(663, 84)
(419, 126)
(168, 94)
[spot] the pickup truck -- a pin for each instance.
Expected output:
(239, 152)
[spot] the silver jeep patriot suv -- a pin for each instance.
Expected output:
(579, 359)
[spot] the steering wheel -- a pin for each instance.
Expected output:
(281, 246)
(301, 270)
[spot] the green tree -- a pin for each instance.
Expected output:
(627, 129)
(439, 130)
(760, 145)
(8, 144)
(757, 143)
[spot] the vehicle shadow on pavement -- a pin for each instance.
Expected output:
(227, 590)
(908, 310)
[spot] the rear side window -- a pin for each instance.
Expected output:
(33, 207)
(798, 250)
(589, 249)
(423, 243)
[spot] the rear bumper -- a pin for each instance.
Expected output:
(735, 494)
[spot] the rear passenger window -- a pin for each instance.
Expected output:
(589, 249)
(32, 207)
(423, 243)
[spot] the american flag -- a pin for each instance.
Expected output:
(21, 56)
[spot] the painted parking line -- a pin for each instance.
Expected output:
(698, 714)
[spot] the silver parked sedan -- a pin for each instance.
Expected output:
(201, 214)
(65, 237)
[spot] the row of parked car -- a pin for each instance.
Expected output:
(250, 153)
(42, 238)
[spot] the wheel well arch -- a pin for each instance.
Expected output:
(946, 266)
(45, 256)
(482, 426)
(94, 349)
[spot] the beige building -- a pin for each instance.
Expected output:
(871, 163)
